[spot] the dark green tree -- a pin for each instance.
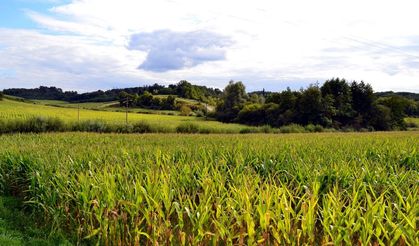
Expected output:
(1, 95)
(232, 101)
(145, 100)
(362, 102)
(337, 98)
(126, 99)
(310, 106)
(169, 103)
(397, 106)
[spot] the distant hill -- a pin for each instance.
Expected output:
(182, 89)
(408, 95)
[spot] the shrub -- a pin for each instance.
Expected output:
(142, 127)
(292, 128)
(92, 126)
(247, 130)
(411, 124)
(187, 128)
(199, 113)
(318, 128)
(185, 110)
(121, 128)
(266, 129)
(310, 128)
(206, 130)
(347, 129)
(314, 128)
(37, 125)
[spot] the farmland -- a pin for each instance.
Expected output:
(340, 188)
(11, 109)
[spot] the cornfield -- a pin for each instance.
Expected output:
(294, 189)
(14, 110)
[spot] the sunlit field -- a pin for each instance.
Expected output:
(11, 110)
(153, 189)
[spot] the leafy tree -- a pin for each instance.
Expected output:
(397, 106)
(362, 97)
(252, 114)
(1, 95)
(412, 108)
(145, 100)
(185, 89)
(310, 106)
(337, 98)
(380, 118)
(126, 99)
(169, 103)
(156, 103)
(232, 101)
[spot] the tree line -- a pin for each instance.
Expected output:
(336, 104)
(182, 89)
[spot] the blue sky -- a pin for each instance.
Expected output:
(94, 44)
(13, 12)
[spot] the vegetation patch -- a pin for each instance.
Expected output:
(340, 188)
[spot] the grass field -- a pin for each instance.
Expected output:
(112, 106)
(414, 120)
(10, 109)
(110, 189)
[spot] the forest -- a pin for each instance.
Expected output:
(336, 104)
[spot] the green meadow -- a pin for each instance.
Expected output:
(16, 110)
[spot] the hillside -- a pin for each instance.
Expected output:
(408, 95)
(12, 109)
(182, 89)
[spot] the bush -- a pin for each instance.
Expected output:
(309, 128)
(92, 126)
(292, 128)
(1, 95)
(318, 128)
(247, 130)
(314, 128)
(35, 125)
(187, 128)
(205, 130)
(38, 125)
(185, 110)
(199, 113)
(142, 127)
(411, 125)
(121, 128)
(266, 129)
(347, 129)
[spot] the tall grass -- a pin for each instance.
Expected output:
(45, 124)
(219, 189)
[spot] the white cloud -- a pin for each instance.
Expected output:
(274, 42)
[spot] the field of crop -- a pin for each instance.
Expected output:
(10, 109)
(413, 120)
(340, 188)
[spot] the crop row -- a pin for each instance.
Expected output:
(217, 189)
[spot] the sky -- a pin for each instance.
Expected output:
(86, 45)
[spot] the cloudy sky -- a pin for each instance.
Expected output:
(100, 44)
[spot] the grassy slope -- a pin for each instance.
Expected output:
(114, 105)
(10, 109)
(414, 120)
